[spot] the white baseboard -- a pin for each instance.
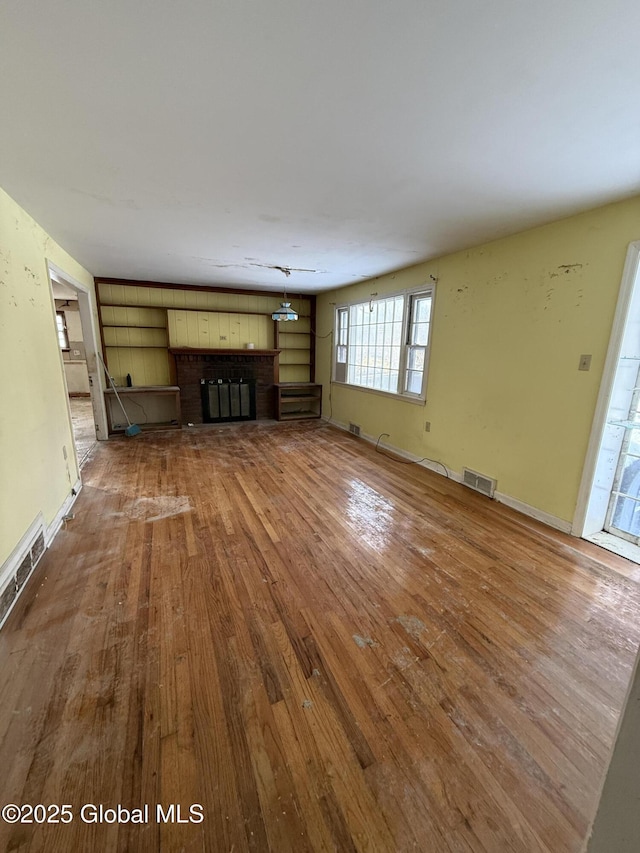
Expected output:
(19, 566)
(534, 512)
(514, 503)
(53, 528)
(431, 465)
(15, 559)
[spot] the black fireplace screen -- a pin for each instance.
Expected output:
(228, 400)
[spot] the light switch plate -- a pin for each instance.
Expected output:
(585, 362)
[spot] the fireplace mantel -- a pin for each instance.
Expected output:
(226, 351)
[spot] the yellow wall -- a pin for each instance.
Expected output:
(511, 319)
(34, 418)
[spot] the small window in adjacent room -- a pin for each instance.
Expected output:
(61, 324)
(383, 344)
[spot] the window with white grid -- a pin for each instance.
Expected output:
(383, 344)
(417, 341)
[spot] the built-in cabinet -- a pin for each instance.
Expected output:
(154, 407)
(298, 400)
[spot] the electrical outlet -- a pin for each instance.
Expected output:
(427, 426)
(585, 362)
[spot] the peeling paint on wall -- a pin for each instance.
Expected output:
(33, 276)
(40, 481)
(565, 269)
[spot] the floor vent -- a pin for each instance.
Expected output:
(17, 570)
(354, 429)
(478, 482)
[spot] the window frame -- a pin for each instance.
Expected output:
(410, 297)
(341, 349)
(411, 344)
(62, 330)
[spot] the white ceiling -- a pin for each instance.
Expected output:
(208, 141)
(63, 291)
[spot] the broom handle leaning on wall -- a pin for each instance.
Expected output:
(113, 388)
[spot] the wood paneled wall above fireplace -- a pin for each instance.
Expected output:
(141, 320)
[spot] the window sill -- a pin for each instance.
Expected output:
(404, 398)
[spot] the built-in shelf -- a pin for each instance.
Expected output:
(297, 416)
(148, 406)
(298, 400)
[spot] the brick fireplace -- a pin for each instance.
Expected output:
(192, 365)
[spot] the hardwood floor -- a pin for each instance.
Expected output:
(324, 648)
(84, 428)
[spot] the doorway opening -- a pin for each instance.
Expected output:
(608, 511)
(75, 328)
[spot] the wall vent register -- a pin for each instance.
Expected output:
(478, 482)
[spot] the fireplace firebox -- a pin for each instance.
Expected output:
(227, 400)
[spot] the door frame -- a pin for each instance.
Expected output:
(88, 311)
(599, 468)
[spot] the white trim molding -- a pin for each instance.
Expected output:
(13, 561)
(429, 464)
(595, 485)
(440, 468)
(20, 564)
(87, 306)
(533, 512)
(52, 529)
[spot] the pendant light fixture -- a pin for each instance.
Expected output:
(285, 311)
